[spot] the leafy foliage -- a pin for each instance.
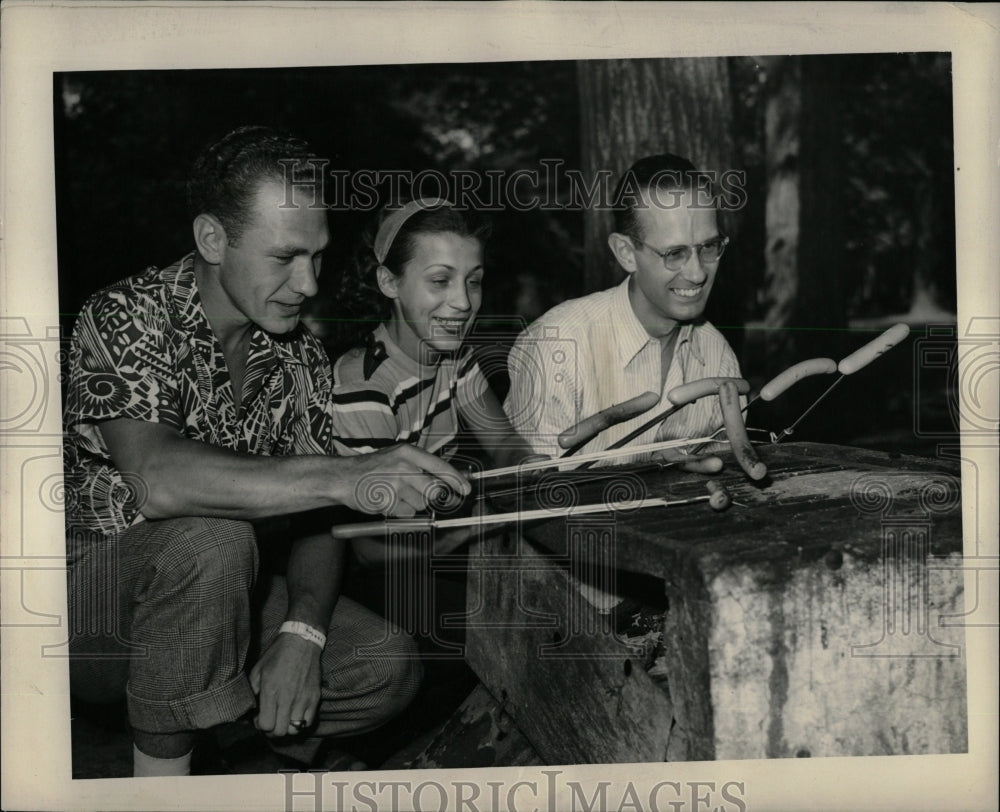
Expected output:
(124, 141)
(895, 115)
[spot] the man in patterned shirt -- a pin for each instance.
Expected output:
(645, 334)
(197, 407)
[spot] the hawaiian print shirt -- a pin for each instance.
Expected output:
(143, 349)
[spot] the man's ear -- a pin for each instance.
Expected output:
(210, 238)
(388, 282)
(624, 251)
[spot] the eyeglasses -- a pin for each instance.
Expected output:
(677, 256)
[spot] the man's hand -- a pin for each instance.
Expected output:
(286, 680)
(400, 481)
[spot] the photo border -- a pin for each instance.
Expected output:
(38, 41)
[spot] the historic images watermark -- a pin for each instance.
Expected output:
(551, 187)
(965, 363)
(305, 792)
(909, 616)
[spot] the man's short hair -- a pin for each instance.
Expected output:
(665, 172)
(226, 174)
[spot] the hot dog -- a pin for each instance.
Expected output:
(779, 383)
(736, 431)
(587, 429)
(687, 392)
(719, 499)
(873, 349)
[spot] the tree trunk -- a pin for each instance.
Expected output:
(782, 219)
(821, 302)
(803, 297)
(636, 107)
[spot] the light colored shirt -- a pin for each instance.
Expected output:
(402, 400)
(587, 354)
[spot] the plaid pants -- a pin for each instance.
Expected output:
(164, 615)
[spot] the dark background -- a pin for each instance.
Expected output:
(124, 141)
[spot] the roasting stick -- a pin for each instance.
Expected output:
(850, 364)
(783, 381)
(857, 360)
(611, 453)
(685, 394)
(718, 498)
(680, 396)
(576, 437)
(350, 531)
(734, 415)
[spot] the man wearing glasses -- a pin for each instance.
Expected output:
(645, 334)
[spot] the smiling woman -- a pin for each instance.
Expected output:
(436, 296)
(411, 379)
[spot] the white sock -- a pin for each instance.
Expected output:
(144, 766)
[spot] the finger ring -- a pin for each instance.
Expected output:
(298, 724)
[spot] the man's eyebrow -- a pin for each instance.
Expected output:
(297, 250)
(718, 236)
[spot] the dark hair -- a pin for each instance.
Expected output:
(226, 174)
(362, 302)
(665, 172)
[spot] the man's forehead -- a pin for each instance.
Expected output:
(675, 210)
(272, 195)
(279, 206)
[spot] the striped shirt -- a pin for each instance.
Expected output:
(403, 401)
(587, 354)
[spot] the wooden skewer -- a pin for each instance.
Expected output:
(780, 383)
(858, 359)
(350, 531)
(680, 397)
(610, 453)
(575, 438)
(597, 475)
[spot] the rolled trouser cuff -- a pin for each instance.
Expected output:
(223, 703)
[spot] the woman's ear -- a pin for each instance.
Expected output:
(388, 282)
(210, 238)
(621, 246)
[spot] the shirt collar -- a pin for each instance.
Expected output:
(189, 315)
(632, 336)
(410, 365)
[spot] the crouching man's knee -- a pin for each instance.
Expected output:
(377, 686)
(198, 554)
(402, 673)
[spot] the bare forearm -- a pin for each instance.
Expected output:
(185, 477)
(189, 478)
(314, 575)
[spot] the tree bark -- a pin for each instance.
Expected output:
(636, 107)
(821, 301)
(803, 297)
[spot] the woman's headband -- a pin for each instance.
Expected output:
(390, 226)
